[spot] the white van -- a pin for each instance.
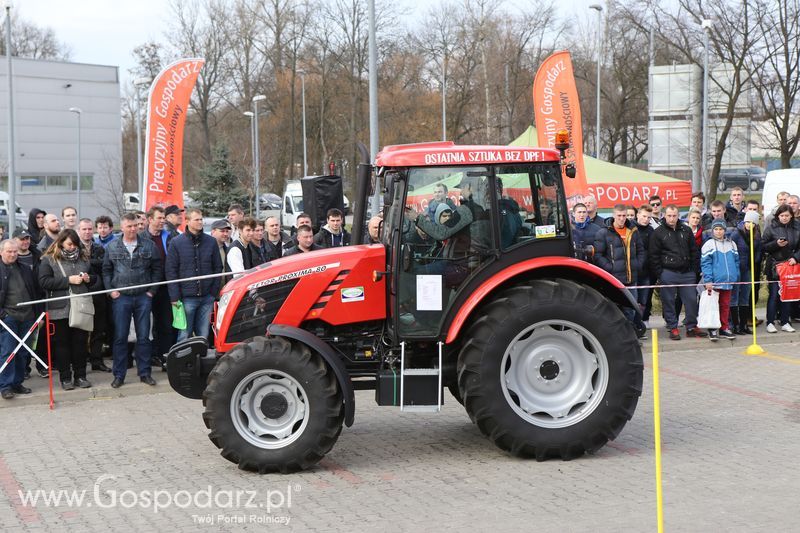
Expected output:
(22, 216)
(787, 179)
(292, 204)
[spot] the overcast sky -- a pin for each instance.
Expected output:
(105, 32)
(102, 32)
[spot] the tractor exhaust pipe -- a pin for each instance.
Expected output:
(363, 181)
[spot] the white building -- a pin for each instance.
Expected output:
(46, 135)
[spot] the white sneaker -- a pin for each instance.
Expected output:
(771, 328)
(788, 328)
(646, 324)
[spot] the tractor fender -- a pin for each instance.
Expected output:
(330, 356)
(540, 267)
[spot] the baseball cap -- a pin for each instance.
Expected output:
(172, 210)
(20, 233)
(221, 224)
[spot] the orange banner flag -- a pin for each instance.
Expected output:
(556, 106)
(166, 116)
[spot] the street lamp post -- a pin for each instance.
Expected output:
(599, 10)
(444, 95)
(256, 152)
(706, 25)
(303, 97)
(138, 82)
(251, 116)
(12, 173)
(77, 111)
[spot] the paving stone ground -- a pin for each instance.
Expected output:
(730, 426)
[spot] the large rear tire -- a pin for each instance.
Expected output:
(550, 368)
(272, 405)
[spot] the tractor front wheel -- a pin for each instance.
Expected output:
(550, 368)
(272, 405)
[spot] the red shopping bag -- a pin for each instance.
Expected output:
(789, 284)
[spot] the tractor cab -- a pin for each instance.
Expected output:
(450, 226)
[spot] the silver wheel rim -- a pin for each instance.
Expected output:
(289, 409)
(554, 374)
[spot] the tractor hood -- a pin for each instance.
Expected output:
(336, 285)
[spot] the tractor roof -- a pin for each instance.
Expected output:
(447, 153)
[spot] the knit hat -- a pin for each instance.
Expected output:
(718, 224)
(751, 216)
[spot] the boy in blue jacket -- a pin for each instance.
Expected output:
(719, 262)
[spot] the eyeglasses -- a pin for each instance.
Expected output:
(655, 204)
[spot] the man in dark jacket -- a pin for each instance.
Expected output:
(619, 251)
(16, 285)
(675, 260)
(52, 227)
(29, 255)
(644, 296)
(583, 232)
(173, 220)
(164, 334)
(333, 233)
(100, 333)
(305, 242)
(735, 208)
(274, 240)
(194, 254)
(129, 261)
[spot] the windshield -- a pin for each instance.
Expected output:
(298, 203)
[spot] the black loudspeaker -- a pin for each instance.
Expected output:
(321, 193)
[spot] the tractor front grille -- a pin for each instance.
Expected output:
(258, 309)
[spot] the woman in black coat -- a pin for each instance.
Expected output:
(781, 243)
(64, 267)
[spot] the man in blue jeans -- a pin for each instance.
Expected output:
(675, 260)
(193, 254)
(16, 285)
(131, 261)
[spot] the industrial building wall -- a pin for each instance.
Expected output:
(46, 135)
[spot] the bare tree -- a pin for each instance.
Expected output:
(777, 65)
(31, 41)
(732, 39)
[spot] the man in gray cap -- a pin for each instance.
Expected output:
(221, 231)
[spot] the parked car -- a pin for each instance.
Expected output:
(22, 215)
(270, 201)
(747, 178)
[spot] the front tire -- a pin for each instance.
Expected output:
(754, 185)
(550, 369)
(272, 405)
(722, 185)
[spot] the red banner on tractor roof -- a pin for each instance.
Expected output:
(556, 106)
(166, 116)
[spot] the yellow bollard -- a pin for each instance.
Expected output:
(753, 349)
(657, 424)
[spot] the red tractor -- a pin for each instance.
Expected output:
(473, 286)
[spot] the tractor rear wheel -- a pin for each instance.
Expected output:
(272, 405)
(550, 368)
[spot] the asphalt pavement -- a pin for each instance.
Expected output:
(142, 458)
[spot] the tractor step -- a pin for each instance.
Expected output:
(416, 390)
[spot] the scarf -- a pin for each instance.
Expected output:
(71, 255)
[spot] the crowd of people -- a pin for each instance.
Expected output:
(66, 256)
(707, 250)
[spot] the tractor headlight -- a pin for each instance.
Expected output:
(223, 304)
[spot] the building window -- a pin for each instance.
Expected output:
(58, 183)
(65, 183)
(31, 184)
(87, 183)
